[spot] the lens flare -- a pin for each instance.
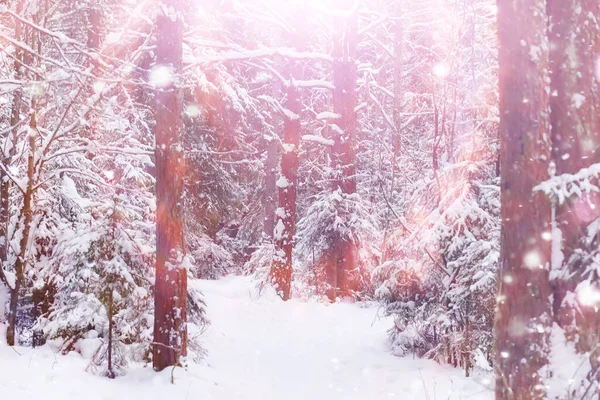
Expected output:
(441, 70)
(161, 76)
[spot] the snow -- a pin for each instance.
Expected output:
(562, 187)
(283, 182)
(314, 84)
(280, 212)
(288, 147)
(4, 298)
(557, 256)
(533, 260)
(290, 115)
(258, 348)
(70, 190)
(161, 76)
(278, 230)
(569, 369)
(11, 279)
(317, 139)
(336, 129)
(535, 52)
(577, 100)
(587, 294)
(441, 70)
(325, 115)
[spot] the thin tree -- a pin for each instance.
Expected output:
(281, 269)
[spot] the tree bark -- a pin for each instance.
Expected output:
(170, 331)
(523, 318)
(7, 156)
(398, 91)
(25, 222)
(270, 189)
(110, 312)
(575, 120)
(281, 269)
(343, 259)
(26, 213)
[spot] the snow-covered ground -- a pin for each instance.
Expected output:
(258, 349)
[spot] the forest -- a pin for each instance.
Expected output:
(323, 199)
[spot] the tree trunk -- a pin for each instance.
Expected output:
(575, 120)
(398, 91)
(7, 156)
(343, 150)
(170, 331)
(93, 29)
(523, 317)
(25, 221)
(270, 189)
(109, 369)
(26, 214)
(281, 269)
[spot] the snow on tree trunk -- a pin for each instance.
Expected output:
(25, 225)
(398, 90)
(523, 317)
(281, 269)
(170, 331)
(8, 155)
(343, 257)
(270, 188)
(26, 213)
(575, 120)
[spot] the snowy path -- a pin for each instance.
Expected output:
(258, 349)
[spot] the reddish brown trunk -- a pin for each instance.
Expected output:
(26, 214)
(15, 117)
(26, 218)
(270, 195)
(281, 269)
(110, 371)
(270, 189)
(398, 91)
(170, 332)
(575, 119)
(343, 257)
(523, 311)
(94, 20)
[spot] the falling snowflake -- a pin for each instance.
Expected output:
(161, 76)
(441, 70)
(532, 260)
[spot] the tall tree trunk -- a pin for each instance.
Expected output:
(270, 188)
(25, 224)
(523, 317)
(343, 259)
(109, 370)
(170, 331)
(281, 269)
(26, 213)
(398, 90)
(575, 120)
(8, 153)
(93, 29)
(272, 153)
